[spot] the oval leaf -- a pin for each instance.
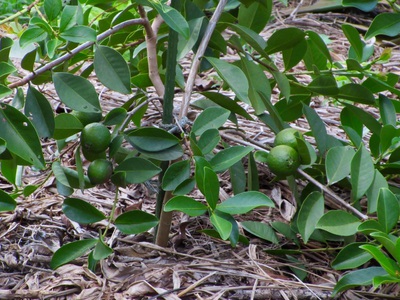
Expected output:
(310, 212)
(261, 230)
(112, 69)
(7, 203)
(384, 23)
(362, 172)
(244, 202)
(212, 117)
(388, 209)
(135, 221)
(82, 212)
(350, 257)
(228, 157)
(339, 222)
(337, 163)
(71, 251)
(176, 173)
(137, 170)
(186, 205)
(151, 139)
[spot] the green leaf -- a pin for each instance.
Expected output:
(211, 193)
(387, 263)
(279, 40)
(388, 242)
(238, 178)
(253, 174)
(352, 126)
(324, 85)
(209, 140)
(112, 69)
(32, 35)
(71, 251)
(255, 16)
(70, 17)
(364, 5)
(52, 8)
(245, 202)
(233, 77)
(6, 69)
(39, 110)
(76, 92)
(365, 118)
(339, 222)
(356, 93)
(292, 56)
(227, 103)
(201, 163)
(258, 83)
(171, 17)
(350, 257)
(387, 111)
(310, 212)
(212, 117)
(337, 163)
(252, 38)
(355, 41)
(66, 125)
(286, 230)
(362, 172)
(318, 43)
(28, 61)
(82, 212)
(137, 170)
(20, 135)
(388, 209)
(7, 203)
(228, 157)
(370, 226)
(186, 205)
(261, 230)
(176, 173)
(79, 34)
(356, 278)
(115, 116)
(222, 223)
(135, 221)
(374, 190)
(384, 23)
(4, 91)
(101, 251)
(151, 139)
(68, 177)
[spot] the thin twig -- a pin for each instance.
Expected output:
(19, 13)
(76, 50)
(197, 58)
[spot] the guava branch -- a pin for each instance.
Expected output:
(75, 51)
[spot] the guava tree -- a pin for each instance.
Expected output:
(140, 50)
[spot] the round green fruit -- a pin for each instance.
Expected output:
(287, 137)
(91, 156)
(95, 137)
(283, 160)
(86, 118)
(99, 171)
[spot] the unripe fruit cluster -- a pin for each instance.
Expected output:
(283, 159)
(95, 140)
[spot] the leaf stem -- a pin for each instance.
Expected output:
(112, 213)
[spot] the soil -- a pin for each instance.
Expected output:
(193, 266)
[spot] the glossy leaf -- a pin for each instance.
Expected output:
(384, 23)
(212, 117)
(70, 17)
(365, 118)
(356, 93)
(292, 56)
(357, 278)
(388, 209)
(350, 257)
(362, 172)
(261, 230)
(352, 126)
(251, 37)
(208, 140)
(211, 193)
(318, 43)
(68, 177)
(245, 202)
(52, 8)
(151, 139)
(228, 157)
(20, 135)
(82, 212)
(324, 85)
(176, 173)
(32, 35)
(101, 251)
(387, 111)
(286, 230)
(200, 164)
(312, 209)
(238, 178)
(135, 221)
(137, 170)
(255, 16)
(253, 181)
(66, 125)
(370, 226)
(7, 203)
(374, 191)
(71, 251)
(387, 263)
(76, 92)
(279, 40)
(388, 242)
(222, 223)
(39, 110)
(186, 205)
(337, 163)
(112, 69)
(79, 34)
(233, 77)
(339, 222)
(115, 116)
(355, 41)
